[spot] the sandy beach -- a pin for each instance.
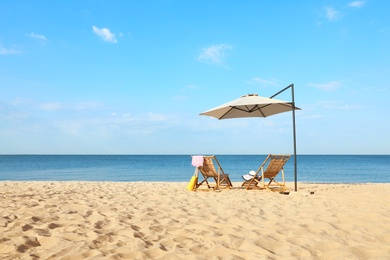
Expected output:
(140, 220)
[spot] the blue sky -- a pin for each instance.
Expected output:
(131, 77)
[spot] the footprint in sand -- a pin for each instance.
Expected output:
(35, 219)
(27, 227)
(43, 232)
(101, 241)
(100, 224)
(135, 228)
(29, 242)
(141, 236)
(53, 226)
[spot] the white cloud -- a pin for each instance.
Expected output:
(331, 14)
(214, 53)
(316, 116)
(192, 86)
(105, 34)
(180, 98)
(263, 82)
(356, 4)
(333, 85)
(37, 36)
(8, 51)
(156, 117)
(133, 124)
(20, 102)
(54, 106)
(50, 106)
(114, 114)
(336, 105)
(87, 105)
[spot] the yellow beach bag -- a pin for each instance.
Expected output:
(191, 185)
(194, 180)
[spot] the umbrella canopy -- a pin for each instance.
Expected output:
(250, 105)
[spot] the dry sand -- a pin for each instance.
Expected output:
(139, 220)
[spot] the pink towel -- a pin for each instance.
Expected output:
(197, 160)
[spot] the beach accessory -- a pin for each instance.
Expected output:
(249, 176)
(197, 161)
(194, 180)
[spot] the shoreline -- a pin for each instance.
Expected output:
(236, 184)
(162, 220)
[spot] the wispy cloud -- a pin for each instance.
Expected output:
(156, 117)
(8, 51)
(356, 4)
(263, 82)
(55, 106)
(50, 106)
(316, 116)
(192, 86)
(215, 53)
(105, 34)
(331, 14)
(116, 124)
(37, 36)
(87, 105)
(337, 105)
(333, 85)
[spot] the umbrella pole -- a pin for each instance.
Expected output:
(294, 133)
(295, 140)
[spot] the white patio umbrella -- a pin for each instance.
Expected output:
(252, 105)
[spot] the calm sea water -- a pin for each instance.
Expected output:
(311, 168)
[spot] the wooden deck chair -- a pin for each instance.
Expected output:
(217, 175)
(274, 164)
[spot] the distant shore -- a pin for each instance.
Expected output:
(162, 220)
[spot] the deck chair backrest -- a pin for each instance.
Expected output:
(213, 175)
(275, 165)
(208, 168)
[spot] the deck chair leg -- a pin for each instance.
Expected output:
(262, 177)
(218, 180)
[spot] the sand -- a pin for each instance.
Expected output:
(140, 220)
